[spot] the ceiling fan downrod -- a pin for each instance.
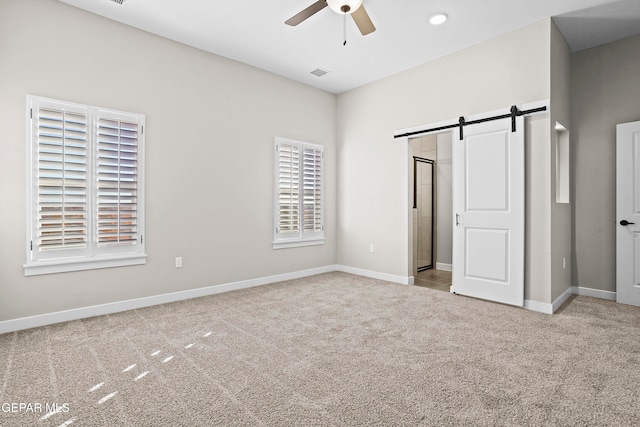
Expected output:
(344, 30)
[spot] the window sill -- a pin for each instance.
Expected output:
(57, 266)
(297, 243)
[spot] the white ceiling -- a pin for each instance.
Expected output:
(254, 32)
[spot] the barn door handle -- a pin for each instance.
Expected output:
(624, 223)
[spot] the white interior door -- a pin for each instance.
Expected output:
(488, 236)
(628, 213)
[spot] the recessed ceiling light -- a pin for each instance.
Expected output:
(438, 18)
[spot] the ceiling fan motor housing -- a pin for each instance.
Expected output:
(344, 7)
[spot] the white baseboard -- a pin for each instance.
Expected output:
(404, 280)
(540, 307)
(561, 299)
(574, 290)
(443, 266)
(596, 293)
(98, 310)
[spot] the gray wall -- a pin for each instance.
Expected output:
(605, 92)
(210, 128)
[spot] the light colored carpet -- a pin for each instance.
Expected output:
(330, 350)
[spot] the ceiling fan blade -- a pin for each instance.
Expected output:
(308, 12)
(362, 20)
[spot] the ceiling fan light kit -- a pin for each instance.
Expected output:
(344, 7)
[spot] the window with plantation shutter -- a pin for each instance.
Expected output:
(299, 194)
(85, 187)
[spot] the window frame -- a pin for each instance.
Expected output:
(300, 237)
(91, 255)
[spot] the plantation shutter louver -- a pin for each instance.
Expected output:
(299, 194)
(312, 189)
(117, 182)
(61, 179)
(288, 188)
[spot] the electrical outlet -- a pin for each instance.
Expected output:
(564, 263)
(178, 262)
(371, 248)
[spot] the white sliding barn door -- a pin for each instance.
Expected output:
(628, 213)
(488, 236)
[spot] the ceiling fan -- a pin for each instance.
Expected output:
(355, 8)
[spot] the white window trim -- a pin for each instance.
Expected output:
(281, 244)
(92, 258)
(299, 239)
(78, 264)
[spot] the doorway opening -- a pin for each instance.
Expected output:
(432, 210)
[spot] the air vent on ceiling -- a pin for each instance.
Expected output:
(118, 1)
(318, 72)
